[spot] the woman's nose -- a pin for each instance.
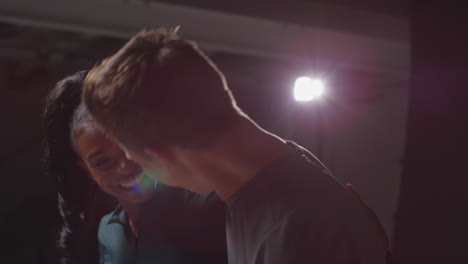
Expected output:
(126, 165)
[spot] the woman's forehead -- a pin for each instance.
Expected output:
(91, 139)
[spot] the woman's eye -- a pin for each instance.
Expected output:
(103, 163)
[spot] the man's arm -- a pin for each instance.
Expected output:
(383, 234)
(348, 239)
(330, 227)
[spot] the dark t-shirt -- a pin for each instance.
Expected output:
(294, 211)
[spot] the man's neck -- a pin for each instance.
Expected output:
(238, 157)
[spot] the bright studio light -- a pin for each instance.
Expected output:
(307, 89)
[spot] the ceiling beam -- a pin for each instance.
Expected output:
(216, 31)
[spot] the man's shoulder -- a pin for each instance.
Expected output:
(322, 239)
(308, 187)
(295, 182)
(307, 178)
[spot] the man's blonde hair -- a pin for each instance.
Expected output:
(160, 89)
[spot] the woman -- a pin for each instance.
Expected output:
(153, 223)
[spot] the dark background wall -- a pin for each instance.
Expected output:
(432, 217)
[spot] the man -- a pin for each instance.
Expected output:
(170, 107)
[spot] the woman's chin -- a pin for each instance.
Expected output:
(140, 192)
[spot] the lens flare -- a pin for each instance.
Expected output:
(144, 185)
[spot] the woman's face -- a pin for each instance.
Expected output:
(107, 164)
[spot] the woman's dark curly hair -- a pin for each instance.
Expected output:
(80, 201)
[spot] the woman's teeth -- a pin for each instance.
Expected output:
(132, 182)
